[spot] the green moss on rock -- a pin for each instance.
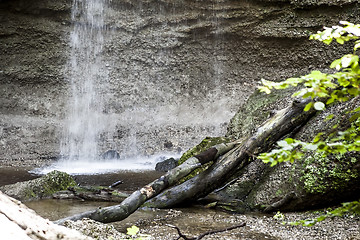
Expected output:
(205, 144)
(42, 187)
(321, 174)
(257, 109)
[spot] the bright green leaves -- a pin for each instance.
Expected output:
(349, 60)
(267, 86)
(325, 89)
(286, 152)
(341, 34)
(308, 106)
(348, 207)
(357, 45)
(132, 231)
(340, 86)
(319, 106)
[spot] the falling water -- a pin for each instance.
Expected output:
(87, 122)
(87, 75)
(127, 91)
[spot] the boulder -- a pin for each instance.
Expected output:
(166, 165)
(38, 188)
(110, 155)
(288, 187)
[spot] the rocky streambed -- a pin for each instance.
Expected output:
(195, 220)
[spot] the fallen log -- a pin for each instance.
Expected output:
(279, 125)
(91, 193)
(20, 222)
(137, 198)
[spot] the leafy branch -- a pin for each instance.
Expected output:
(325, 89)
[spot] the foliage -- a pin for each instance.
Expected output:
(348, 207)
(133, 232)
(325, 89)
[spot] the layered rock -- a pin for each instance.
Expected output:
(178, 70)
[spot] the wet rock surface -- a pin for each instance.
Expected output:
(166, 165)
(178, 69)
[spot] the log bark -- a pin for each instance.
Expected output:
(279, 125)
(138, 198)
(20, 222)
(91, 193)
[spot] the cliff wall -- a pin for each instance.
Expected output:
(178, 70)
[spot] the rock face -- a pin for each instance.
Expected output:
(178, 70)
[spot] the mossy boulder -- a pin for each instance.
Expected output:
(38, 188)
(299, 186)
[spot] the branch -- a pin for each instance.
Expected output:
(137, 198)
(181, 235)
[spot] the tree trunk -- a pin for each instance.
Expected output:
(20, 222)
(137, 198)
(282, 123)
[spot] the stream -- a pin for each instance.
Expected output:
(192, 221)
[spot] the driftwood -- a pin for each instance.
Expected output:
(282, 123)
(91, 193)
(279, 125)
(20, 222)
(137, 198)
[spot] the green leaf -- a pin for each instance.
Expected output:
(283, 144)
(356, 110)
(308, 106)
(357, 45)
(264, 89)
(310, 147)
(354, 117)
(321, 218)
(346, 61)
(317, 137)
(353, 91)
(340, 40)
(327, 41)
(132, 231)
(317, 75)
(336, 64)
(319, 106)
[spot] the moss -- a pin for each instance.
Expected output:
(256, 110)
(321, 174)
(119, 194)
(205, 144)
(49, 184)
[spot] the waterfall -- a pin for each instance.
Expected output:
(87, 78)
(136, 86)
